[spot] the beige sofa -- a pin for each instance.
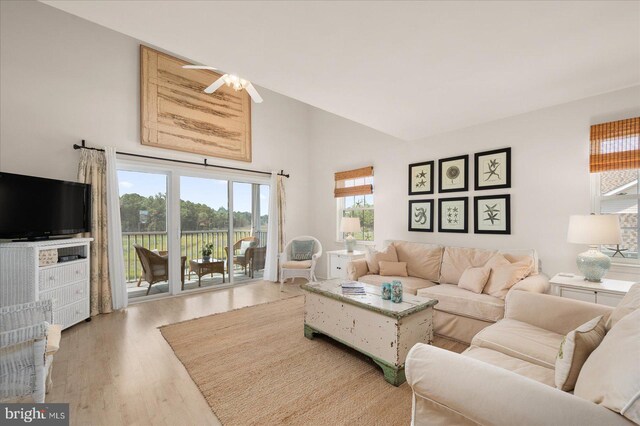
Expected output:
(506, 376)
(434, 272)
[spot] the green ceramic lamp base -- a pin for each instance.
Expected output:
(593, 264)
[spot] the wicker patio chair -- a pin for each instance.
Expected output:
(241, 258)
(155, 267)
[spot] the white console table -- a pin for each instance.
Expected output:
(608, 292)
(23, 280)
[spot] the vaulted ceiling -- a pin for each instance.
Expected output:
(409, 69)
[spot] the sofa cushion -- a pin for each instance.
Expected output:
(574, 351)
(611, 375)
(505, 274)
(374, 258)
(53, 338)
(456, 300)
(629, 303)
(455, 260)
(517, 365)
(409, 284)
(474, 279)
(393, 268)
(423, 260)
(521, 340)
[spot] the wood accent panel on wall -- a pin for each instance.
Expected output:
(176, 114)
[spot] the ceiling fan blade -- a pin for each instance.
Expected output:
(253, 93)
(215, 85)
(198, 67)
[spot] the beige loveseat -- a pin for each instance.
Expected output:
(506, 376)
(434, 272)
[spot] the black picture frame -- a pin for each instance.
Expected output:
(507, 214)
(431, 189)
(442, 213)
(465, 169)
(478, 169)
(431, 219)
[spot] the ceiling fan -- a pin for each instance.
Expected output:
(231, 80)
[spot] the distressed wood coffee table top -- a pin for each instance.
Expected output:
(372, 300)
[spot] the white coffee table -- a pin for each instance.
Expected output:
(380, 329)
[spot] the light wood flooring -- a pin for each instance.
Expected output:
(119, 370)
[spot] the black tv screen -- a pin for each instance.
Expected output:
(33, 207)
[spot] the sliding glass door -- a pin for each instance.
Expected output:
(204, 225)
(185, 231)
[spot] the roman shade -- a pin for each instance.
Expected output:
(345, 191)
(615, 145)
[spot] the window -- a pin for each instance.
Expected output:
(354, 198)
(616, 192)
(615, 167)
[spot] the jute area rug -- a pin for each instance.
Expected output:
(254, 366)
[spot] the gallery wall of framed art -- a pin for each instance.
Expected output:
(491, 213)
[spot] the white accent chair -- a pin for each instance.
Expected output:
(290, 268)
(28, 342)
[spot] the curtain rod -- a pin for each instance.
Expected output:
(83, 146)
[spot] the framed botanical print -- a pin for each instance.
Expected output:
(492, 214)
(453, 174)
(493, 169)
(421, 215)
(421, 178)
(453, 214)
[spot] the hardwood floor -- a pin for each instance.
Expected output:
(118, 369)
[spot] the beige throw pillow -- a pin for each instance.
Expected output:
(474, 279)
(374, 257)
(629, 303)
(611, 375)
(393, 269)
(455, 260)
(423, 260)
(505, 274)
(574, 351)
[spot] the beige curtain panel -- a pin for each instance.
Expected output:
(282, 205)
(342, 191)
(93, 170)
(615, 145)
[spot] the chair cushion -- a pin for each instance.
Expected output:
(629, 303)
(521, 340)
(505, 274)
(518, 366)
(474, 279)
(244, 245)
(297, 264)
(374, 257)
(53, 339)
(423, 260)
(455, 260)
(409, 284)
(302, 249)
(611, 375)
(574, 351)
(393, 269)
(458, 301)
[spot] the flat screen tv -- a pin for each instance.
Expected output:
(38, 208)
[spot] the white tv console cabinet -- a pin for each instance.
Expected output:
(23, 280)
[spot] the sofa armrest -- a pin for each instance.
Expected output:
(553, 313)
(489, 395)
(357, 268)
(538, 283)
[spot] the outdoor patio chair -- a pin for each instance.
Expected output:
(155, 267)
(239, 253)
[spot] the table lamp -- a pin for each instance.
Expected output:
(350, 225)
(594, 230)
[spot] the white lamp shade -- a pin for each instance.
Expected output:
(350, 224)
(594, 229)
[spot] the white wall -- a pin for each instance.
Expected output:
(550, 176)
(64, 79)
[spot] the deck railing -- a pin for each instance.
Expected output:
(191, 244)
